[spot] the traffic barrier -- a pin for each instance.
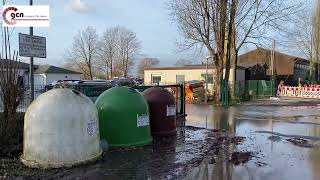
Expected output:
(312, 92)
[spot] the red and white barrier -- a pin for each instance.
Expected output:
(301, 92)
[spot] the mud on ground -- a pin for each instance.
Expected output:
(168, 158)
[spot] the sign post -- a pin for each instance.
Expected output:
(32, 46)
(31, 64)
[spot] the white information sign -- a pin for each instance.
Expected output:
(142, 120)
(32, 46)
(171, 110)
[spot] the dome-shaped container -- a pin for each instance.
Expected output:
(123, 117)
(60, 130)
(162, 111)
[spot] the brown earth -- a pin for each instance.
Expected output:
(168, 158)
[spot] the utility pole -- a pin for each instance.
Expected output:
(272, 65)
(312, 69)
(31, 65)
(206, 90)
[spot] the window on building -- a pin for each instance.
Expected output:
(155, 79)
(210, 78)
(180, 79)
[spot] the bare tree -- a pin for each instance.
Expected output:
(84, 51)
(206, 23)
(108, 51)
(300, 37)
(128, 47)
(183, 62)
(255, 19)
(145, 63)
(11, 88)
(316, 38)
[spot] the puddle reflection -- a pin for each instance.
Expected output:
(276, 158)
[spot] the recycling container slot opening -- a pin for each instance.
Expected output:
(76, 92)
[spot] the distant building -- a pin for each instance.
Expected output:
(43, 74)
(46, 74)
(174, 75)
(289, 68)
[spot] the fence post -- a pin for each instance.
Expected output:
(257, 88)
(183, 98)
(225, 93)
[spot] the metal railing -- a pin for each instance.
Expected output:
(178, 90)
(93, 92)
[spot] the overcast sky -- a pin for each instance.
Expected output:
(148, 18)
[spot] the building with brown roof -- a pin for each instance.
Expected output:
(287, 67)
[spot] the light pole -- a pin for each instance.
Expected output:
(206, 89)
(272, 66)
(31, 64)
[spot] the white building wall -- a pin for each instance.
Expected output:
(40, 80)
(55, 77)
(169, 76)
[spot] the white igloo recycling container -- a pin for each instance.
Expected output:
(60, 130)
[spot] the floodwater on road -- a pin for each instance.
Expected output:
(267, 129)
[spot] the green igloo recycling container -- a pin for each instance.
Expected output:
(123, 117)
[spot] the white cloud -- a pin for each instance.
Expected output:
(81, 7)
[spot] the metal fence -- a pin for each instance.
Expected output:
(244, 90)
(26, 98)
(93, 92)
(247, 90)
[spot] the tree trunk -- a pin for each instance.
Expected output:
(234, 60)
(311, 69)
(217, 77)
(107, 69)
(90, 72)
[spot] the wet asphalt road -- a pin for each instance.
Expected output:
(266, 125)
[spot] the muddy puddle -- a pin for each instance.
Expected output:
(257, 141)
(285, 140)
(167, 158)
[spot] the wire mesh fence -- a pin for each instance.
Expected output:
(251, 89)
(94, 91)
(26, 98)
(244, 91)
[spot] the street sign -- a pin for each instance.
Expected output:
(32, 46)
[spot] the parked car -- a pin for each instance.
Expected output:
(113, 83)
(137, 81)
(125, 82)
